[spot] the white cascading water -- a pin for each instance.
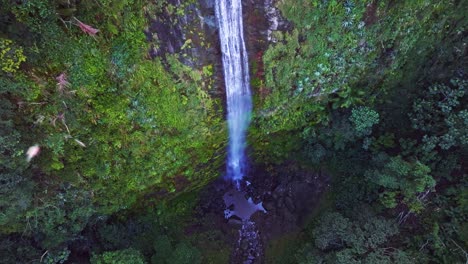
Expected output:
(239, 107)
(237, 81)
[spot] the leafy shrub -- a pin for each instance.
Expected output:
(125, 256)
(163, 248)
(185, 253)
(61, 216)
(181, 253)
(34, 13)
(57, 257)
(363, 119)
(10, 56)
(441, 116)
(351, 241)
(402, 181)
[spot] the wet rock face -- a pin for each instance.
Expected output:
(261, 18)
(189, 32)
(255, 27)
(169, 29)
(288, 198)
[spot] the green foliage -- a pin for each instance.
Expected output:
(16, 198)
(212, 244)
(129, 132)
(363, 119)
(34, 13)
(333, 232)
(60, 216)
(113, 236)
(335, 135)
(315, 64)
(336, 231)
(163, 249)
(308, 254)
(446, 226)
(342, 132)
(353, 241)
(16, 249)
(11, 57)
(125, 125)
(340, 54)
(158, 233)
(125, 256)
(402, 182)
(57, 257)
(184, 253)
(440, 114)
(180, 253)
(15, 188)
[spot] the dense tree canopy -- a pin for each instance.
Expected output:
(130, 128)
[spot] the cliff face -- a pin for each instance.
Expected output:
(186, 31)
(261, 19)
(189, 31)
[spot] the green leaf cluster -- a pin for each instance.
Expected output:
(363, 119)
(125, 256)
(344, 240)
(11, 57)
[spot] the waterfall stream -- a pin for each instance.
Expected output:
(237, 81)
(239, 107)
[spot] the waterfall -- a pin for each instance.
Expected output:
(239, 107)
(237, 81)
